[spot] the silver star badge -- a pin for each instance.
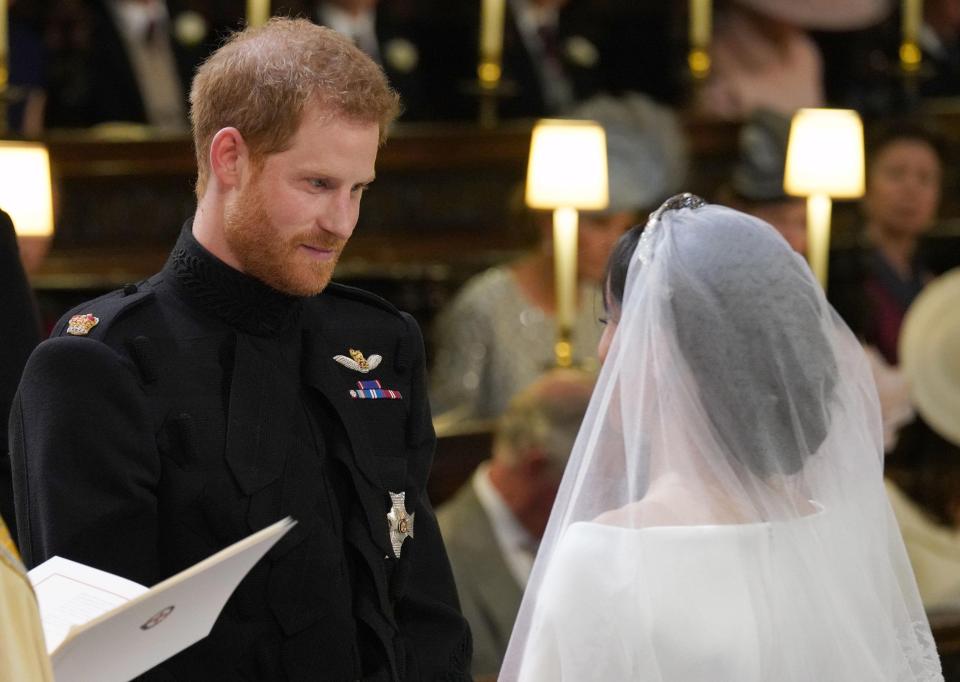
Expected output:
(399, 522)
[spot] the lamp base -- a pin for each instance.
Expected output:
(563, 351)
(488, 95)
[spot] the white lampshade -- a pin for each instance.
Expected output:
(568, 165)
(25, 191)
(825, 154)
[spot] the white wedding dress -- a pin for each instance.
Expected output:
(679, 605)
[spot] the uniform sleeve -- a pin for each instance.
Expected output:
(84, 460)
(436, 636)
(19, 335)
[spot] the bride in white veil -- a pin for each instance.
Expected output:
(723, 515)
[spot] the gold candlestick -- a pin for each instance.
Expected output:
(4, 65)
(489, 67)
(911, 17)
(258, 12)
(700, 32)
(491, 42)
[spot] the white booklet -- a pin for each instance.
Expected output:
(99, 626)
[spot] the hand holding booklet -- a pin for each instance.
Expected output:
(99, 626)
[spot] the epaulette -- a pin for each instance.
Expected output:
(93, 318)
(361, 295)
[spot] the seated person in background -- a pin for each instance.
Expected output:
(26, 92)
(763, 57)
(556, 53)
(873, 285)
(940, 42)
(23, 656)
(756, 184)
(923, 483)
(756, 187)
(121, 61)
(493, 525)
(389, 31)
(923, 472)
(498, 333)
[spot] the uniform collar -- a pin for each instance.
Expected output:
(218, 290)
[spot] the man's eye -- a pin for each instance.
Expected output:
(604, 321)
(361, 189)
(318, 183)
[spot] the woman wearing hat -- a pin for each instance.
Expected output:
(873, 287)
(498, 333)
(763, 57)
(923, 473)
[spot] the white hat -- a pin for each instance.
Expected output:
(646, 149)
(827, 15)
(930, 354)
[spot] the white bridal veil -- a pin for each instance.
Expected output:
(722, 516)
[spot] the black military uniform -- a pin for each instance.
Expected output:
(202, 405)
(18, 337)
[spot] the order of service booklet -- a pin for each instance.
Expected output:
(102, 627)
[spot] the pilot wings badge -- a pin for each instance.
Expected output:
(357, 362)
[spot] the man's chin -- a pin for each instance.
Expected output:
(303, 284)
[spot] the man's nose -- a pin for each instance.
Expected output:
(340, 215)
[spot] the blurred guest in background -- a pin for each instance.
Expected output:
(390, 32)
(756, 184)
(756, 187)
(493, 525)
(763, 56)
(556, 53)
(873, 286)
(923, 472)
(498, 333)
(923, 483)
(940, 43)
(122, 61)
(26, 94)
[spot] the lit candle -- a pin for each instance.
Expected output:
(565, 267)
(258, 11)
(701, 23)
(4, 48)
(911, 16)
(700, 32)
(491, 39)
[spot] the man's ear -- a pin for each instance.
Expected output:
(229, 157)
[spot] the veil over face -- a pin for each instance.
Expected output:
(723, 505)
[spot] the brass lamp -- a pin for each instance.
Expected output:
(824, 160)
(25, 189)
(567, 171)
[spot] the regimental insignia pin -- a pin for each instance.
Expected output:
(357, 362)
(80, 325)
(399, 522)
